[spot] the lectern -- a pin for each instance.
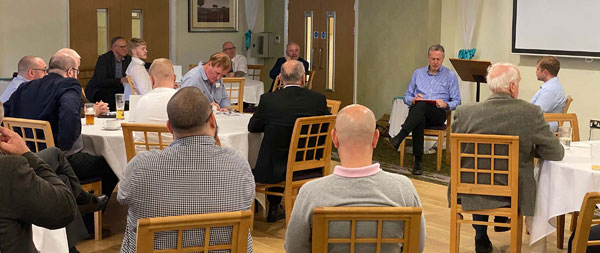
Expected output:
(471, 71)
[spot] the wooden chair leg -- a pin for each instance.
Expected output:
(289, 204)
(98, 214)
(560, 231)
(440, 142)
(519, 233)
(252, 210)
(454, 232)
(448, 147)
(574, 216)
(402, 147)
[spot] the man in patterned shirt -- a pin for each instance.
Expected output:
(191, 176)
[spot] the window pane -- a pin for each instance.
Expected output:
(330, 85)
(136, 23)
(308, 29)
(102, 26)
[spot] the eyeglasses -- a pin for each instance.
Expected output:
(43, 70)
(76, 70)
(229, 48)
(122, 47)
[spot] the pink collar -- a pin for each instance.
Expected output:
(357, 172)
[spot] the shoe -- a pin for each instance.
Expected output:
(483, 245)
(275, 214)
(393, 142)
(501, 229)
(418, 168)
(95, 204)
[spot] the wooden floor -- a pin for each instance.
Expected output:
(269, 237)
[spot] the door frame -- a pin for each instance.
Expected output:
(355, 35)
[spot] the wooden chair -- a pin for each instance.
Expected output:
(25, 126)
(569, 101)
(310, 148)
(191, 66)
(255, 72)
(586, 220)
(153, 130)
(131, 85)
(238, 221)
(234, 86)
(84, 76)
(438, 132)
(309, 79)
(278, 85)
(478, 149)
(322, 216)
(333, 106)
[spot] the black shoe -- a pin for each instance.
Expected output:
(501, 229)
(483, 245)
(95, 204)
(418, 168)
(275, 214)
(393, 142)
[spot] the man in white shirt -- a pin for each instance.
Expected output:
(152, 107)
(136, 69)
(239, 64)
(29, 68)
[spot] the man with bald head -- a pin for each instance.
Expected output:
(152, 107)
(292, 52)
(29, 68)
(356, 182)
(503, 114)
(239, 64)
(275, 116)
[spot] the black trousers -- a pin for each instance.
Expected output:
(90, 166)
(421, 116)
(481, 230)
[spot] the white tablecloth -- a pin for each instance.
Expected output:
(253, 89)
(561, 188)
(46, 240)
(233, 132)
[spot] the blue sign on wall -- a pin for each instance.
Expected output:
(316, 36)
(322, 35)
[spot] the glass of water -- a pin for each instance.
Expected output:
(564, 136)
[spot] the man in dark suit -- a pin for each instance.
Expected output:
(292, 52)
(502, 113)
(30, 193)
(109, 74)
(276, 115)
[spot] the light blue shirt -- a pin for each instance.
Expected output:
(443, 85)
(215, 92)
(12, 87)
(551, 97)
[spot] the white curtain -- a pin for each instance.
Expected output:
(252, 7)
(470, 11)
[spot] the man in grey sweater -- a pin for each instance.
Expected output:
(357, 182)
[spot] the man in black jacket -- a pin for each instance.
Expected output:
(109, 74)
(276, 115)
(292, 52)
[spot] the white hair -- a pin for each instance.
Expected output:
(500, 76)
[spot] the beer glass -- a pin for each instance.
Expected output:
(90, 113)
(120, 102)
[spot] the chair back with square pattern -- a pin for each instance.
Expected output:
(152, 137)
(323, 216)
(84, 76)
(36, 133)
(255, 72)
(278, 85)
(211, 225)
(585, 221)
(234, 86)
(333, 106)
(309, 79)
(561, 118)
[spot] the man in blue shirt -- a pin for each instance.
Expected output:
(208, 77)
(432, 92)
(551, 97)
(29, 68)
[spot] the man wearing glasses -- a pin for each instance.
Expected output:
(109, 74)
(29, 68)
(239, 64)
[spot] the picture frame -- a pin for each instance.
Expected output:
(213, 15)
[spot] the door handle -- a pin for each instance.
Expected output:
(320, 58)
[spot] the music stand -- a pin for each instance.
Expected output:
(471, 71)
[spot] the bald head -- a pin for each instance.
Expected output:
(355, 125)
(72, 53)
(292, 72)
(162, 73)
(31, 67)
(504, 77)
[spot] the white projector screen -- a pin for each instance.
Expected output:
(556, 27)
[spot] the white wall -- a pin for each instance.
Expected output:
(492, 38)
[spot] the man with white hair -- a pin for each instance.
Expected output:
(29, 68)
(239, 64)
(292, 52)
(356, 182)
(503, 114)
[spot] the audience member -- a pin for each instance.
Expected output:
(30, 68)
(204, 178)
(109, 74)
(152, 107)
(239, 64)
(208, 77)
(550, 97)
(275, 116)
(56, 98)
(136, 69)
(432, 92)
(356, 182)
(502, 113)
(292, 52)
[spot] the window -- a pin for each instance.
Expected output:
(330, 79)
(102, 26)
(308, 29)
(136, 23)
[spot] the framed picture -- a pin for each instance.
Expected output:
(213, 15)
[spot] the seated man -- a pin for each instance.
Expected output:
(109, 74)
(437, 84)
(292, 52)
(275, 116)
(550, 97)
(30, 193)
(239, 64)
(208, 77)
(356, 182)
(137, 69)
(503, 114)
(56, 98)
(30, 68)
(204, 178)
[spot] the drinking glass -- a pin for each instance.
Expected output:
(564, 136)
(90, 113)
(120, 102)
(595, 152)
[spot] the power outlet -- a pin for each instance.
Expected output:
(594, 123)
